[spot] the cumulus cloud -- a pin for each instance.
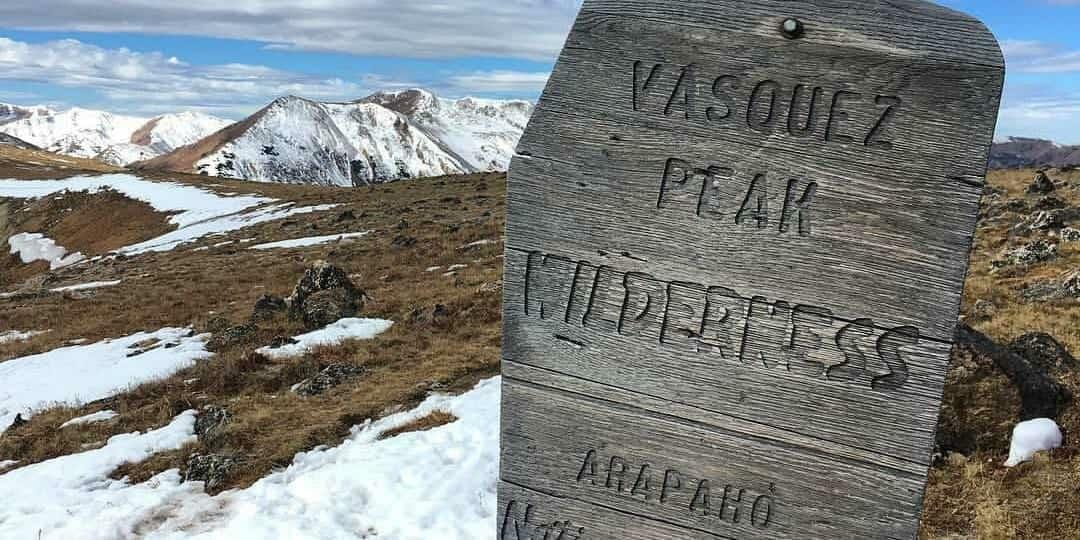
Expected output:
(530, 29)
(154, 82)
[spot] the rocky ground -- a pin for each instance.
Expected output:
(426, 255)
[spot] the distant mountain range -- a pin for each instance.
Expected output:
(384, 137)
(1021, 152)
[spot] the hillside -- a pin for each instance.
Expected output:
(381, 138)
(111, 138)
(1021, 152)
(249, 417)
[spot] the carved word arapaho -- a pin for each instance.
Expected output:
(801, 110)
(717, 321)
(674, 489)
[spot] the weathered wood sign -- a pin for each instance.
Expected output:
(737, 236)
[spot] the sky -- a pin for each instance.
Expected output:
(228, 58)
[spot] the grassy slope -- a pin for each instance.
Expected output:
(969, 496)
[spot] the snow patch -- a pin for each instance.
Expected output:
(33, 247)
(12, 336)
(87, 286)
(85, 373)
(310, 241)
(1032, 437)
(72, 496)
(92, 418)
(338, 332)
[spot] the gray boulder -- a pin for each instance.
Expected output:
(212, 469)
(330, 376)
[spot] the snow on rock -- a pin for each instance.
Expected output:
(85, 373)
(338, 332)
(87, 286)
(1032, 437)
(310, 241)
(92, 418)
(74, 132)
(12, 336)
(292, 140)
(32, 247)
(480, 132)
(72, 497)
(381, 138)
(112, 138)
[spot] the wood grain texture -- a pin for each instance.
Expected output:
(681, 471)
(738, 255)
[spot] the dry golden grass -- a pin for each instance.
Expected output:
(431, 421)
(975, 496)
(33, 164)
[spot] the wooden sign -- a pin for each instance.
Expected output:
(737, 238)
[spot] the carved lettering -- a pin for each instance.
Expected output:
(802, 111)
(520, 523)
(710, 193)
(715, 322)
(683, 491)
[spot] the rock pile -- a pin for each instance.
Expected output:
(1027, 254)
(330, 376)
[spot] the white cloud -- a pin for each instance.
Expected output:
(152, 82)
(501, 81)
(532, 29)
(1030, 56)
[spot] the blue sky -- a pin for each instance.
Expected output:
(147, 57)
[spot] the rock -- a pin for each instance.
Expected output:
(236, 335)
(329, 377)
(403, 241)
(1041, 184)
(1041, 395)
(327, 307)
(316, 288)
(437, 315)
(1046, 220)
(402, 225)
(1049, 203)
(18, 422)
(984, 309)
(210, 423)
(267, 306)
(347, 215)
(1044, 351)
(1069, 235)
(281, 341)
(491, 288)
(211, 469)
(1028, 254)
(1071, 284)
(217, 324)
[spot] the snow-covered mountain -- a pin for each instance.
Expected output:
(381, 138)
(116, 139)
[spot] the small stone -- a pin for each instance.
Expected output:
(403, 241)
(347, 215)
(1041, 184)
(281, 341)
(1069, 234)
(1028, 254)
(331, 376)
(267, 306)
(1044, 351)
(217, 324)
(210, 423)
(236, 335)
(211, 469)
(1045, 220)
(984, 309)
